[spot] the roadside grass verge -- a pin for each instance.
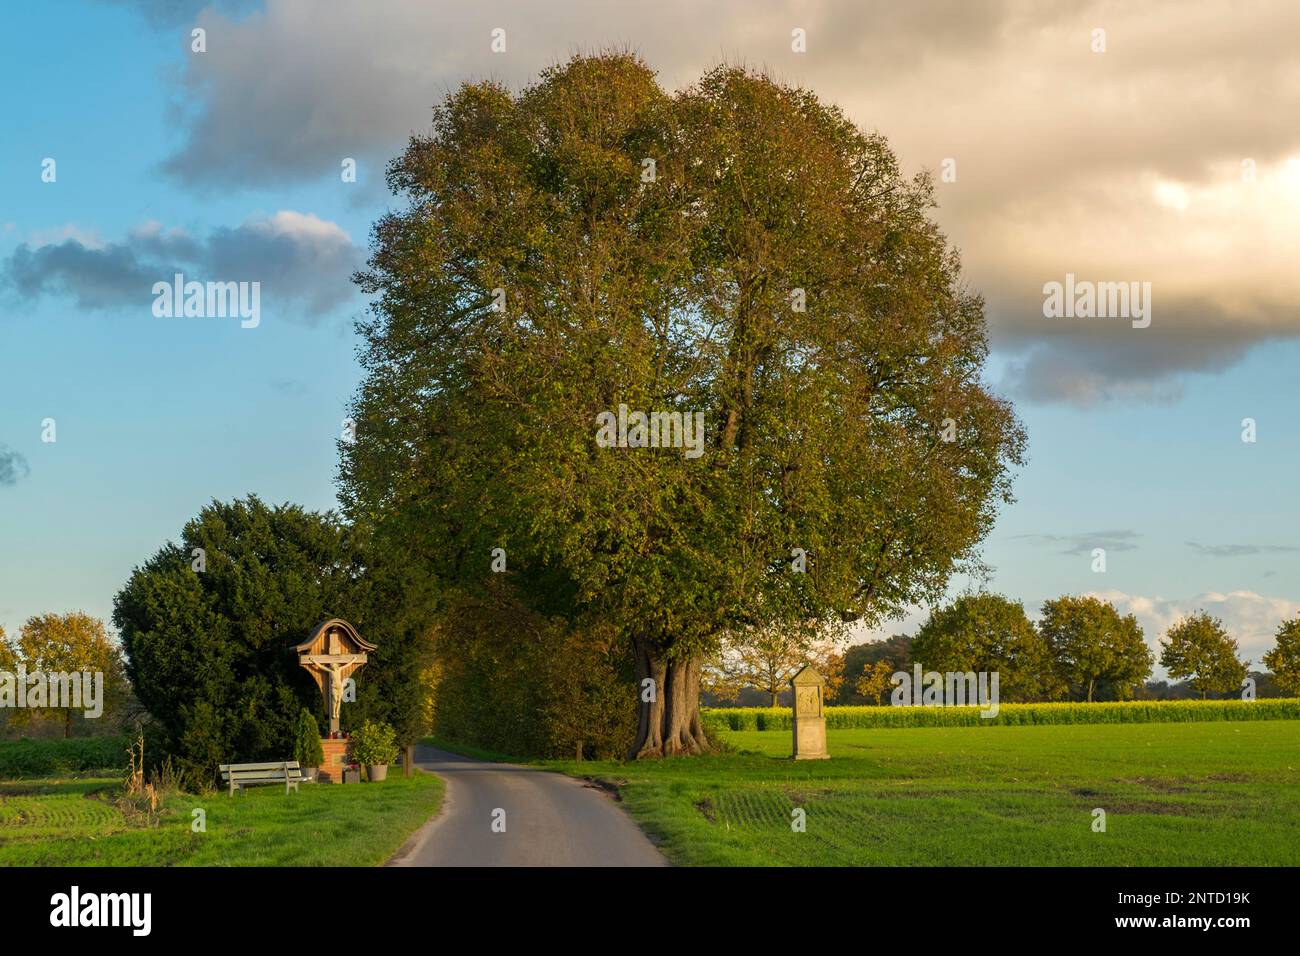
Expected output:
(77, 822)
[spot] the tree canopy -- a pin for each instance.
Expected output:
(736, 250)
(989, 633)
(1092, 643)
(1198, 647)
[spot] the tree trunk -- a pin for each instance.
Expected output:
(1090, 685)
(776, 698)
(668, 724)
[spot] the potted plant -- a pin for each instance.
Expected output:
(374, 746)
(306, 746)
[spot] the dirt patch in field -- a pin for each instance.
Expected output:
(707, 808)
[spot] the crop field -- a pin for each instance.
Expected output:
(1107, 712)
(1221, 793)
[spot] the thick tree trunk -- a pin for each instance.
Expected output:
(669, 722)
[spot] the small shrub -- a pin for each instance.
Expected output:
(307, 748)
(374, 744)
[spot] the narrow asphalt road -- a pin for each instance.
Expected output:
(504, 815)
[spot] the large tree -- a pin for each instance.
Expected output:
(1284, 659)
(1092, 643)
(988, 632)
(69, 643)
(737, 249)
(1198, 648)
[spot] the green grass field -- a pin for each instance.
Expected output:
(74, 822)
(1190, 794)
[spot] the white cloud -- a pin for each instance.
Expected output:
(1252, 619)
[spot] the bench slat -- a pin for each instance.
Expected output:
(276, 765)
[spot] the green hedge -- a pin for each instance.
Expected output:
(1111, 712)
(51, 758)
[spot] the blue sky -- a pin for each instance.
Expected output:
(1135, 444)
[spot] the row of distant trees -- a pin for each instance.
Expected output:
(1082, 648)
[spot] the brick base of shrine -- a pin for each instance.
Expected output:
(331, 770)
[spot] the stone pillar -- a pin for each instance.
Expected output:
(809, 721)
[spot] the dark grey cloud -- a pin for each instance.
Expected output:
(95, 278)
(1075, 544)
(304, 265)
(1085, 362)
(1240, 550)
(13, 466)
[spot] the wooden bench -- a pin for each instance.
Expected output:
(241, 775)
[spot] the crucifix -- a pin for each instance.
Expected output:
(331, 655)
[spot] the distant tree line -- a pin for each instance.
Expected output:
(1081, 649)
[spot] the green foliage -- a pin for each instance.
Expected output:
(860, 659)
(822, 426)
(210, 652)
(511, 680)
(307, 749)
(989, 633)
(1091, 643)
(1199, 648)
(1284, 659)
(69, 643)
(1105, 712)
(373, 744)
(49, 758)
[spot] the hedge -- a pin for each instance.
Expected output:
(50, 758)
(1108, 712)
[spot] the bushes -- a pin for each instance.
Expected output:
(52, 758)
(374, 744)
(1116, 712)
(512, 681)
(209, 645)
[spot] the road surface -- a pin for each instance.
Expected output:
(549, 820)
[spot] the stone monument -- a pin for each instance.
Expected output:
(333, 653)
(809, 722)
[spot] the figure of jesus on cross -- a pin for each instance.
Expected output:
(331, 655)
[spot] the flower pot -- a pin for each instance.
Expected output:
(309, 773)
(351, 775)
(376, 772)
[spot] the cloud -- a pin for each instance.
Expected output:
(1126, 165)
(1075, 544)
(13, 467)
(1240, 550)
(304, 264)
(1252, 619)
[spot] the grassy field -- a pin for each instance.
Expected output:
(75, 821)
(1191, 794)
